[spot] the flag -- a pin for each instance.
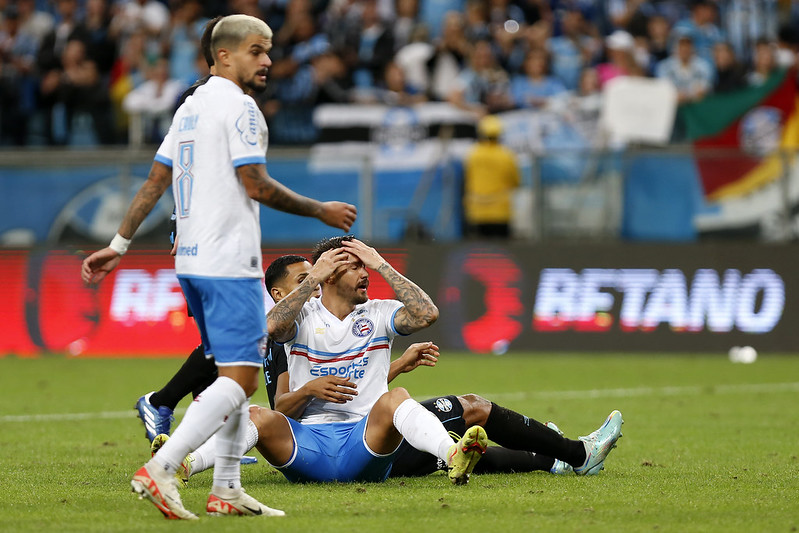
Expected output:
(739, 137)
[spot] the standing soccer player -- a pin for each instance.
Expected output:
(214, 157)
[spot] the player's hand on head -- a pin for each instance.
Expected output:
(339, 215)
(365, 253)
(98, 265)
(332, 389)
(328, 263)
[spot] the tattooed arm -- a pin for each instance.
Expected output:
(280, 319)
(100, 263)
(262, 188)
(419, 311)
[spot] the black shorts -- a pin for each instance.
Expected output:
(411, 462)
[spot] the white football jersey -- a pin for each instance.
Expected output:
(357, 348)
(216, 130)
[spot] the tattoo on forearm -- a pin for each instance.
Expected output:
(419, 312)
(282, 316)
(159, 179)
(278, 196)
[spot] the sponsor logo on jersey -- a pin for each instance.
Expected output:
(444, 405)
(319, 331)
(247, 125)
(354, 370)
(187, 250)
(362, 327)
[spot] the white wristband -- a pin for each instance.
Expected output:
(119, 244)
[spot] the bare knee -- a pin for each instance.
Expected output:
(264, 419)
(475, 409)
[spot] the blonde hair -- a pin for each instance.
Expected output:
(230, 31)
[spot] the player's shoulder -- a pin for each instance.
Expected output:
(377, 306)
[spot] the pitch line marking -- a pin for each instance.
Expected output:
(505, 396)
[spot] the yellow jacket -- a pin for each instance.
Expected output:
(490, 176)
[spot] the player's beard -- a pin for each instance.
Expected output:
(254, 84)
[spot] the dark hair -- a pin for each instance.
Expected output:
(205, 40)
(328, 244)
(277, 269)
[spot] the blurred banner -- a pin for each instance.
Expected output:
(589, 298)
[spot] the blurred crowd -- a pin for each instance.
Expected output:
(75, 71)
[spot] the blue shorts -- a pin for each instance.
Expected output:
(334, 452)
(230, 316)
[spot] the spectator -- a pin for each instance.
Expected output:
(658, 30)
(52, 49)
(449, 58)
(132, 16)
(572, 50)
(79, 89)
(370, 48)
(730, 73)
(691, 75)
(747, 21)
(393, 90)
(17, 83)
(129, 71)
(405, 23)
(188, 25)
(34, 22)
(701, 27)
(433, 14)
(491, 174)
(482, 87)
(476, 20)
(763, 64)
(536, 86)
(620, 47)
(155, 101)
(101, 47)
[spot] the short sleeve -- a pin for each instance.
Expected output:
(167, 148)
(388, 309)
(247, 134)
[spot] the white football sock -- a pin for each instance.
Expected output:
(422, 429)
(205, 415)
(205, 456)
(229, 440)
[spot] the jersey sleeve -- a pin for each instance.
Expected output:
(388, 310)
(167, 149)
(247, 134)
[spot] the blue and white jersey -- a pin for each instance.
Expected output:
(357, 348)
(216, 130)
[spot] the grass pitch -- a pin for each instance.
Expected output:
(707, 446)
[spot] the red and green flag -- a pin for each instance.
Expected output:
(739, 137)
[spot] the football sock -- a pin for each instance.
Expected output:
(504, 461)
(518, 432)
(205, 455)
(203, 418)
(229, 439)
(422, 429)
(197, 373)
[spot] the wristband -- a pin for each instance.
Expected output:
(119, 244)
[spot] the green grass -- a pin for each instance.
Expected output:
(701, 451)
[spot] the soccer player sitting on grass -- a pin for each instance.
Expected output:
(344, 334)
(520, 433)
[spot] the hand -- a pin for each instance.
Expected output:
(418, 354)
(96, 266)
(331, 389)
(328, 263)
(338, 215)
(367, 255)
